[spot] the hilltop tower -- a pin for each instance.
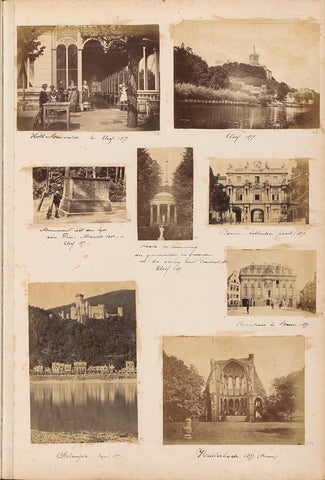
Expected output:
(254, 58)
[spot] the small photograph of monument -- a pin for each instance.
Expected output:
(271, 282)
(250, 74)
(83, 362)
(79, 194)
(259, 191)
(88, 78)
(165, 193)
(228, 391)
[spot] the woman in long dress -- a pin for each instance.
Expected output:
(123, 97)
(85, 95)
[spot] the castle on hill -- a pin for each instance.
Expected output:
(82, 311)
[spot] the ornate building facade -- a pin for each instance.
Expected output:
(234, 391)
(257, 193)
(273, 285)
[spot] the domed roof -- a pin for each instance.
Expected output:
(163, 197)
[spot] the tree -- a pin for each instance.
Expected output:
(28, 48)
(182, 189)
(298, 187)
(282, 90)
(148, 184)
(217, 77)
(182, 390)
(188, 67)
(288, 397)
(191, 68)
(219, 200)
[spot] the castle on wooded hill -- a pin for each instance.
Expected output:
(82, 311)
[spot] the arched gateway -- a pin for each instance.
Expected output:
(234, 391)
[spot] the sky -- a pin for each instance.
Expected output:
(220, 166)
(50, 295)
(174, 155)
(290, 49)
(303, 262)
(284, 354)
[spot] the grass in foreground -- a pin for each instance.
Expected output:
(237, 433)
(38, 436)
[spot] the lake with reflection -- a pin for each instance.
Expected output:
(188, 115)
(84, 406)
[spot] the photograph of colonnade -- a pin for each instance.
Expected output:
(274, 191)
(226, 391)
(88, 77)
(271, 282)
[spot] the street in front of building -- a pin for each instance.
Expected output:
(268, 311)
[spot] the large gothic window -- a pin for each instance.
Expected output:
(67, 65)
(243, 386)
(237, 386)
(61, 63)
(230, 386)
(72, 65)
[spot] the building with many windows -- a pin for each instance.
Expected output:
(307, 296)
(257, 193)
(234, 391)
(273, 285)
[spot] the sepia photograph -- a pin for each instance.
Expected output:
(256, 191)
(83, 362)
(271, 282)
(252, 74)
(99, 78)
(226, 391)
(165, 193)
(79, 194)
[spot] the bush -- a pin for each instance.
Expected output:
(148, 233)
(187, 91)
(178, 232)
(117, 192)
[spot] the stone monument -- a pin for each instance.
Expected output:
(85, 196)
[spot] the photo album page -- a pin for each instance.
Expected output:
(163, 236)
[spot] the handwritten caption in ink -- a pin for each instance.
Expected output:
(76, 237)
(166, 259)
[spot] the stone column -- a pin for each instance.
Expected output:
(175, 216)
(53, 75)
(151, 214)
(158, 214)
(168, 213)
(157, 80)
(80, 77)
(251, 408)
(145, 73)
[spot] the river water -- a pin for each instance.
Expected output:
(244, 116)
(84, 406)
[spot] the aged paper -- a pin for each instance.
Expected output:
(163, 311)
